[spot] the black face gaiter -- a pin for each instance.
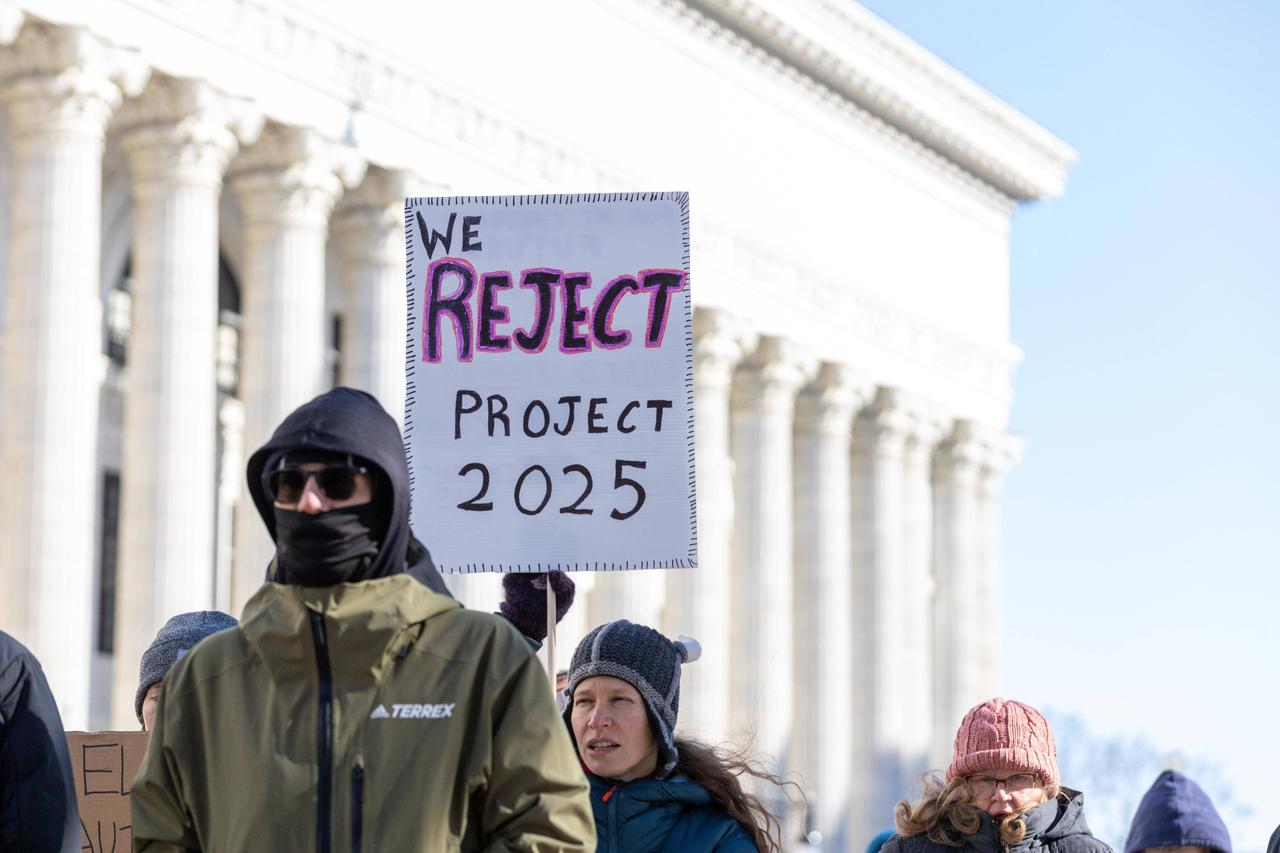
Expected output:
(328, 547)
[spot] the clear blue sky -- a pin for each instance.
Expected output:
(1142, 583)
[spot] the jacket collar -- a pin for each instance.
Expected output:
(1049, 821)
(366, 624)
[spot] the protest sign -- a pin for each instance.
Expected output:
(104, 765)
(549, 380)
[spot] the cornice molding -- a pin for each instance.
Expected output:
(844, 48)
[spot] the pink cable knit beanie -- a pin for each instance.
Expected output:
(1002, 734)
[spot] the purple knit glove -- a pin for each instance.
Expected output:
(524, 601)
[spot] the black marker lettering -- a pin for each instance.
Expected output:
(568, 424)
(499, 414)
(459, 410)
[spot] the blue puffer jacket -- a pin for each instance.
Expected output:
(1176, 812)
(675, 815)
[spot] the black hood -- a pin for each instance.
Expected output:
(345, 420)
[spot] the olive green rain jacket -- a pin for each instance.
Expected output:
(370, 716)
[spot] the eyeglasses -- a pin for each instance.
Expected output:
(338, 482)
(985, 786)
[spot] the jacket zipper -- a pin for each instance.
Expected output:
(324, 734)
(357, 808)
(611, 818)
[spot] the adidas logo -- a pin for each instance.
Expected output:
(413, 711)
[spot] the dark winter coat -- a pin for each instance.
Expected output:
(1057, 826)
(675, 815)
(1176, 812)
(38, 811)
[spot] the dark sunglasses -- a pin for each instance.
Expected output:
(338, 482)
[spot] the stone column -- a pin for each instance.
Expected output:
(286, 184)
(575, 625)
(916, 648)
(637, 596)
(369, 229)
(823, 588)
(1002, 452)
(61, 86)
(698, 599)
(961, 617)
(762, 406)
(179, 136)
(879, 566)
(230, 484)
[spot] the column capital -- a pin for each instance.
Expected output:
(770, 376)
(884, 425)
(11, 19)
(962, 454)
(1003, 451)
(293, 175)
(929, 426)
(721, 340)
(829, 403)
(371, 215)
(184, 131)
(66, 79)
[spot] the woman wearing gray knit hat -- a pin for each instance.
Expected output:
(1000, 794)
(172, 642)
(651, 790)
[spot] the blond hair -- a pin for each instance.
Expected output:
(946, 813)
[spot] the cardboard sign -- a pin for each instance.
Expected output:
(549, 408)
(104, 765)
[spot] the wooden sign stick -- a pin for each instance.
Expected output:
(551, 633)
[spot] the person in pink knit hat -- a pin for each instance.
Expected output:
(1000, 794)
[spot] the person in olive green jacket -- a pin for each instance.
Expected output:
(355, 708)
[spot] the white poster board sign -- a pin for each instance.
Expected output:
(549, 360)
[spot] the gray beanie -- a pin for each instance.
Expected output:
(647, 661)
(173, 641)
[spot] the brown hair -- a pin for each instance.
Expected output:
(719, 771)
(946, 813)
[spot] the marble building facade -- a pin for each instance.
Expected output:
(201, 227)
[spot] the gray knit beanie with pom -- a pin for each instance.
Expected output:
(647, 661)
